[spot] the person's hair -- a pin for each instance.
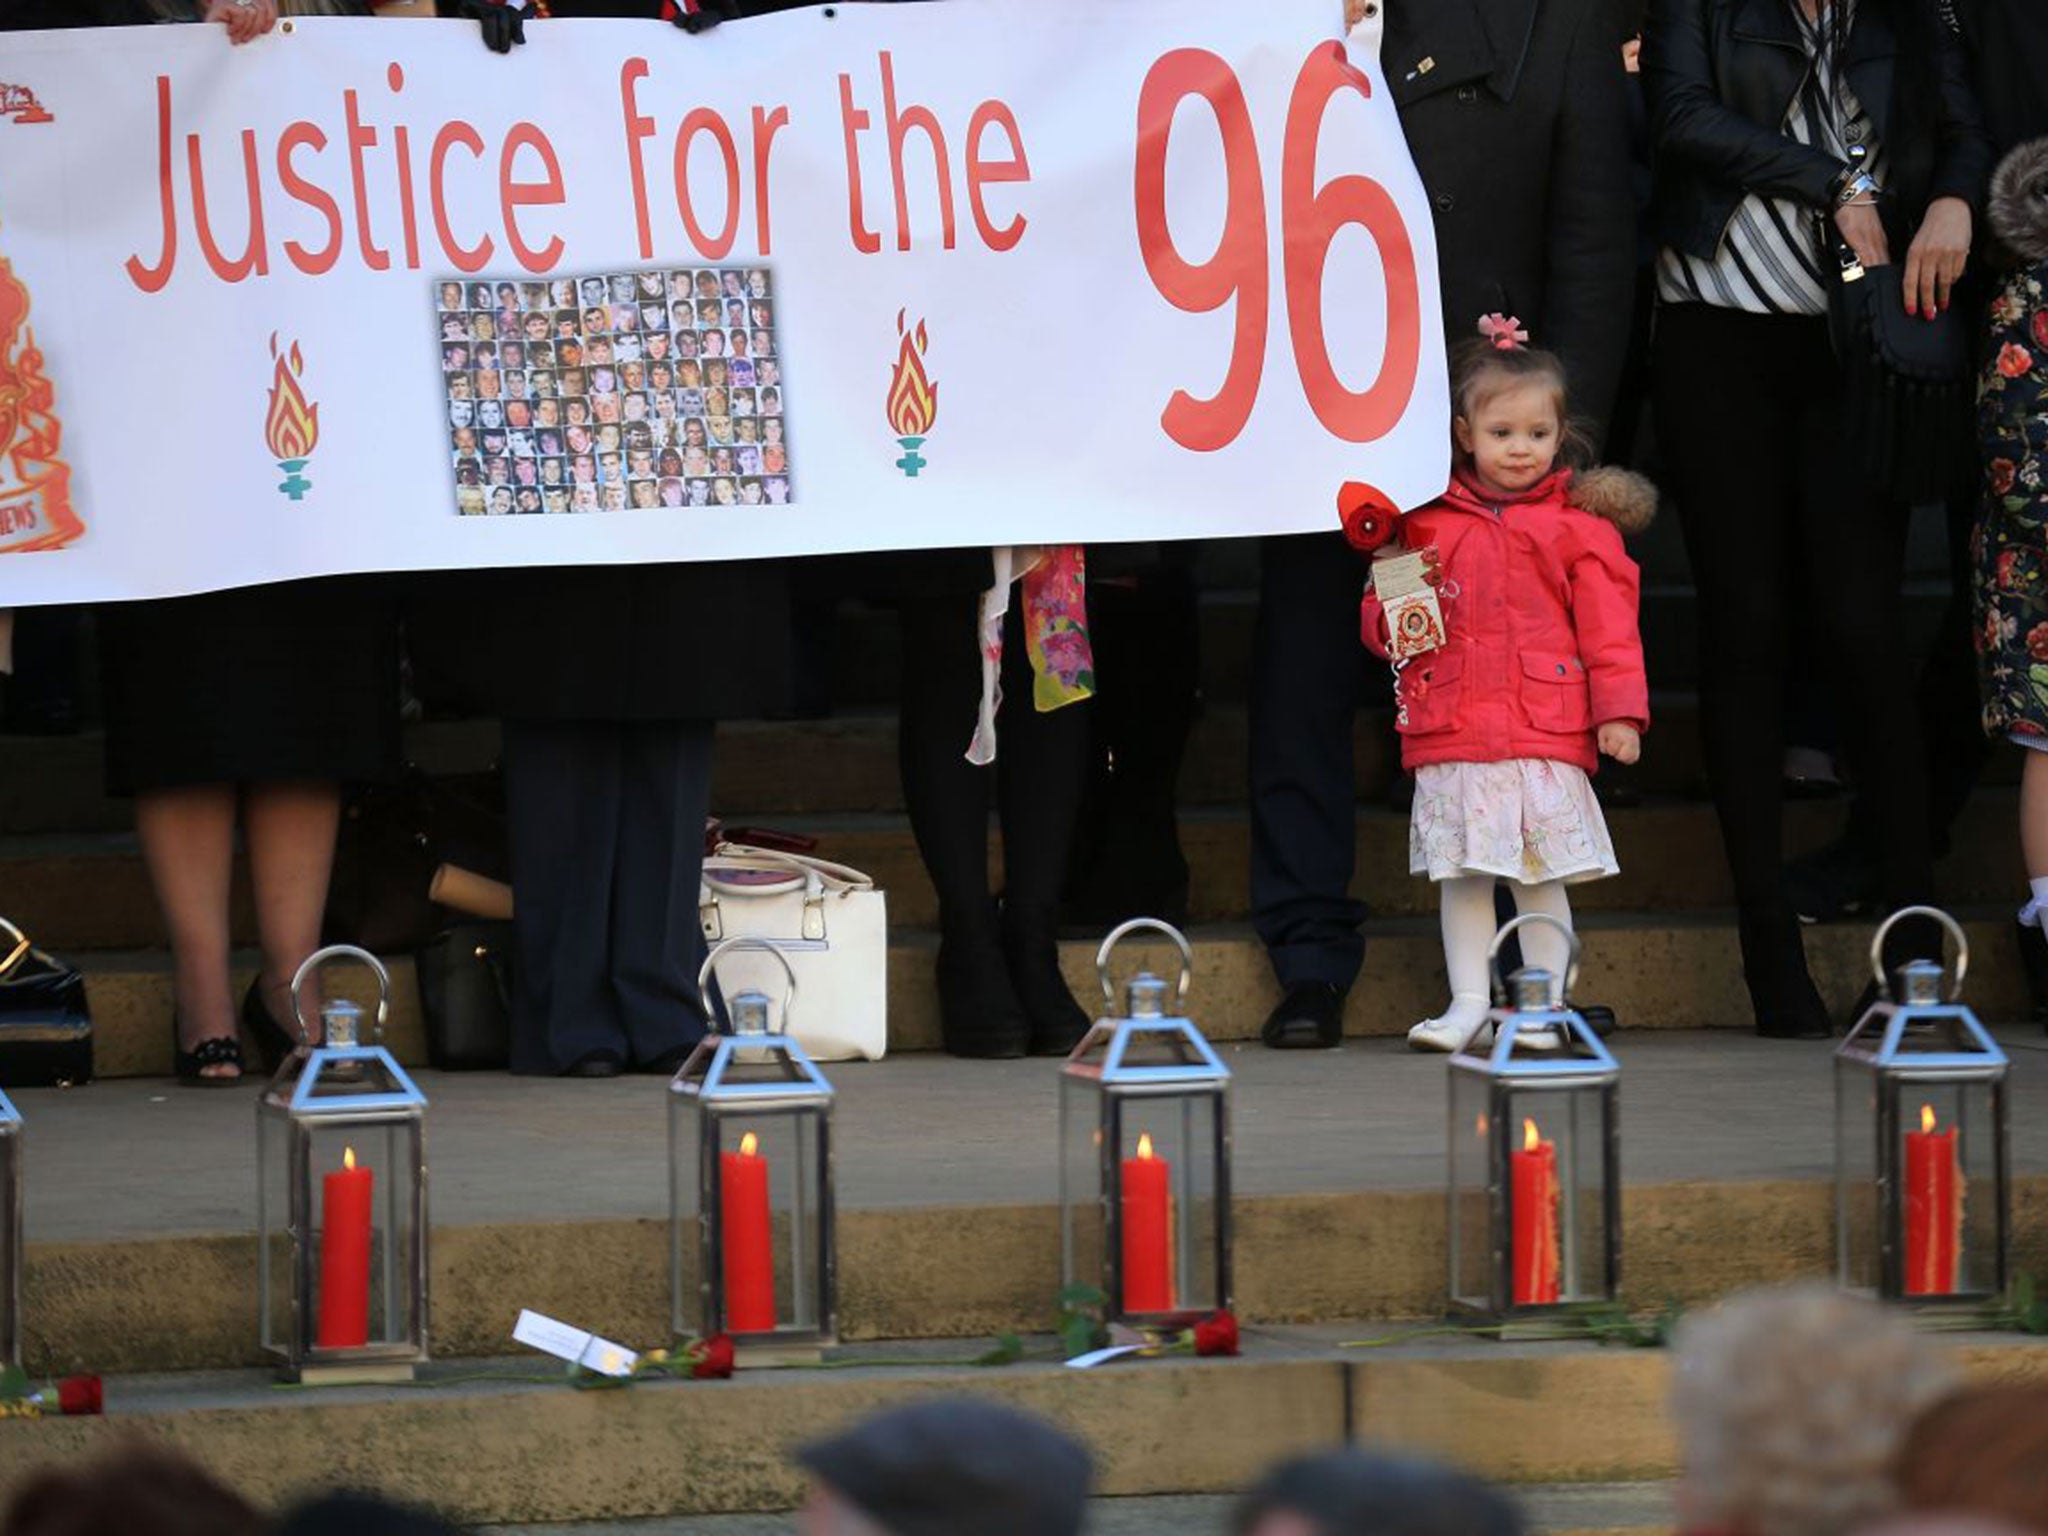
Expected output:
(1980, 1451)
(1790, 1404)
(1480, 371)
(135, 1488)
(1365, 1493)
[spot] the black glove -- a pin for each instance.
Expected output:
(709, 13)
(501, 25)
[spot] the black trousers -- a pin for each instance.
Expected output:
(1041, 766)
(1310, 673)
(1781, 527)
(607, 830)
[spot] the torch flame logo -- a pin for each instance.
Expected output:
(913, 397)
(292, 427)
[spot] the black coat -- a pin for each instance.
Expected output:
(1515, 116)
(2008, 45)
(1721, 74)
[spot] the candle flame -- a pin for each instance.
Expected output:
(348, 1157)
(1927, 1119)
(1531, 1137)
(1479, 1126)
(1145, 1146)
(748, 1143)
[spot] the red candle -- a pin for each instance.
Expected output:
(345, 1196)
(1147, 1231)
(1934, 1209)
(749, 1254)
(1534, 1203)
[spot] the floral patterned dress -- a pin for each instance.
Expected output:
(2010, 544)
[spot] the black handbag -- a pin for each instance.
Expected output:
(1907, 383)
(466, 996)
(45, 1021)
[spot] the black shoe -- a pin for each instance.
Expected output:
(1599, 1018)
(1031, 950)
(273, 1041)
(2033, 946)
(1788, 1006)
(1309, 1018)
(599, 1063)
(979, 1015)
(1831, 883)
(190, 1066)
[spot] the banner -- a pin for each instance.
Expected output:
(358, 295)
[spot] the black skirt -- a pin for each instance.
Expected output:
(295, 680)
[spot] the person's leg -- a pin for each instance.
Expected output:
(1041, 767)
(1308, 673)
(1467, 915)
(947, 798)
(1726, 394)
(562, 789)
(657, 943)
(1544, 947)
(188, 844)
(289, 830)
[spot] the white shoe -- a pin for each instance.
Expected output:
(1544, 1039)
(1452, 1030)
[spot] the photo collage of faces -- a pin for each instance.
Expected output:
(628, 390)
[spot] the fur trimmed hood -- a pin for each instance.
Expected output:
(1620, 496)
(2017, 208)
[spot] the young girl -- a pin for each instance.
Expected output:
(1537, 671)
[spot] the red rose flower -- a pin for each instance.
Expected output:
(1369, 519)
(2038, 324)
(1216, 1334)
(2002, 470)
(2025, 728)
(80, 1394)
(2008, 564)
(711, 1359)
(2037, 642)
(2014, 360)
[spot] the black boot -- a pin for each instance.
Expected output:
(1788, 1007)
(2034, 962)
(1031, 945)
(979, 1012)
(1310, 1017)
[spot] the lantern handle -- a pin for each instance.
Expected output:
(747, 941)
(1955, 931)
(1123, 930)
(321, 957)
(1571, 969)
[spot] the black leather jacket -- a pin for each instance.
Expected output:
(1720, 75)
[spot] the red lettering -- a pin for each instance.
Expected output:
(766, 126)
(152, 279)
(303, 135)
(255, 255)
(704, 120)
(472, 258)
(360, 139)
(401, 144)
(995, 114)
(638, 128)
(854, 122)
(898, 126)
(527, 194)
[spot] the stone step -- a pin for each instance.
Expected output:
(89, 891)
(482, 1448)
(1656, 972)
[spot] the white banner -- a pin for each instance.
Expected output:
(873, 277)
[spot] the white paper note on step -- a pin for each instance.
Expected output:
(538, 1331)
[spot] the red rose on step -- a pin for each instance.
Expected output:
(711, 1359)
(80, 1394)
(2014, 360)
(2001, 476)
(1368, 518)
(1216, 1334)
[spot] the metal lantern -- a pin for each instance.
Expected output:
(1923, 1193)
(1145, 1151)
(11, 1257)
(1535, 1151)
(341, 1209)
(750, 1175)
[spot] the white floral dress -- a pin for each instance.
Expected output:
(1524, 818)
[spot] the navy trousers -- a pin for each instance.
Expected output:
(607, 833)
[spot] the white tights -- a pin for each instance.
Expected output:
(1468, 933)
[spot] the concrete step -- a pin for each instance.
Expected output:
(1656, 971)
(489, 1449)
(89, 891)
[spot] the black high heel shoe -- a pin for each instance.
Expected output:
(273, 1041)
(1788, 1006)
(190, 1066)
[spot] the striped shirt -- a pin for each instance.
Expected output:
(1770, 259)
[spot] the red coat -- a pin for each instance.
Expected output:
(1541, 647)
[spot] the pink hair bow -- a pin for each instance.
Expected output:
(1504, 331)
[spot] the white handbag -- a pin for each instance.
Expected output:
(827, 920)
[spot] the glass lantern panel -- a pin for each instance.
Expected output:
(1164, 1207)
(685, 1230)
(11, 1257)
(772, 1218)
(276, 1233)
(1559, 1237)
(1472, 1154)
(1081, 1110)
(361, 1263)
(1948, 1201)
(1859, 1195)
